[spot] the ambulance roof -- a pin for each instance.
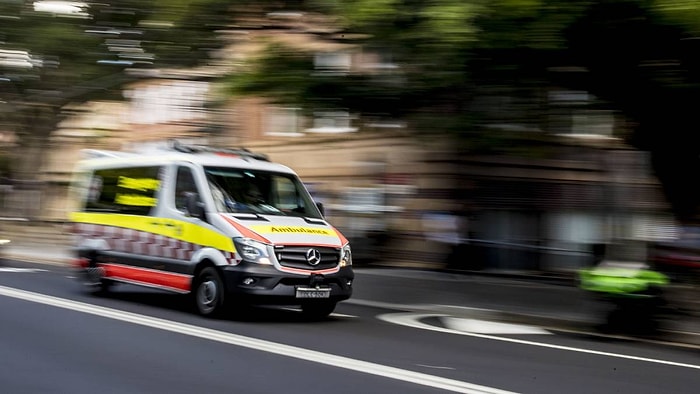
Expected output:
(177, 153)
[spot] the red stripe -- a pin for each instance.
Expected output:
(170, 280)
(246, 232)
(300, 271)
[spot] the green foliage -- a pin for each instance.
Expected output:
(450, 23)
(684, 13)
(52, 58)
(109, 37)
(362, 13)
(539, 24)
(280, 74)
(443, 50)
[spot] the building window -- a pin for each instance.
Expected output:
(175, 101)
(573, 113)
(333, 62)
(285, 122)
(332, 122)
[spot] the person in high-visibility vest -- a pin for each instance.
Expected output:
(634, 289)
(621, 280)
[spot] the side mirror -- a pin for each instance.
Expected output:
(195, 208)
(319, 205)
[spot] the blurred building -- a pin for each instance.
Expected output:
(401, 198)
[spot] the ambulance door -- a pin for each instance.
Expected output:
(184, 230)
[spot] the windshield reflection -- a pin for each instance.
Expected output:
(259, 192)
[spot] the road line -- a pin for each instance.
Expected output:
(255, 344)
(435, 367)
(343, 316)
(334, 314)
(412, 320)
(477, 326)
(11, 269)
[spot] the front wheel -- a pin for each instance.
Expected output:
(317, 310)
(209, 292)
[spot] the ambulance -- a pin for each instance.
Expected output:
(227, 226)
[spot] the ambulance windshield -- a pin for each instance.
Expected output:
(259, 192)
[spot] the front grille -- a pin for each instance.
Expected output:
(295, 257)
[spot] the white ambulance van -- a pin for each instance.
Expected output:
(224, 225)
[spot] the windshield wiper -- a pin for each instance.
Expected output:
(313, 220)
(248, 216)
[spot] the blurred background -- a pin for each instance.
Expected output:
(535, 136)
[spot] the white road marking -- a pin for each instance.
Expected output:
(11, 269)
(490, 327)
(255, 344)
(334, 314)
(413, 320)
(342, 315)
(435, 367)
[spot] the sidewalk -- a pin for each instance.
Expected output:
(518, 299)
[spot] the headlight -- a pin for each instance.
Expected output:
(252, 251)
(346, 256)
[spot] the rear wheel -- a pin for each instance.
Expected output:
(93, 279)
(317, 310)
(104, 287)
(209, 292)
(99, 288)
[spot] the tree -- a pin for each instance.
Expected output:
(642, 57)
(55, 53)
(638, 57)
(445, 52)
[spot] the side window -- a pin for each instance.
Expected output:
(286, 194)
(130, 190)
(184, 184)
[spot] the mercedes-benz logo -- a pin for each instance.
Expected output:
(313, 257)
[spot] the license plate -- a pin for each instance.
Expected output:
(312, 293)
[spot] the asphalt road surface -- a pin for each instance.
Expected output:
(56, 338)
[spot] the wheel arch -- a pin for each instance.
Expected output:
(202, 264)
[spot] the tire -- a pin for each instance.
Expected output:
(317, 310)
(104, 287)
(209, 292)
(95, 289)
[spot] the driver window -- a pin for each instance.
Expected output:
(287, 196)
(184, 184)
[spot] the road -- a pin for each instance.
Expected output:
(56, 338)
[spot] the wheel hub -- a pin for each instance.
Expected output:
(207, 292)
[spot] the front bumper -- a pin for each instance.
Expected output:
(258, 284)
